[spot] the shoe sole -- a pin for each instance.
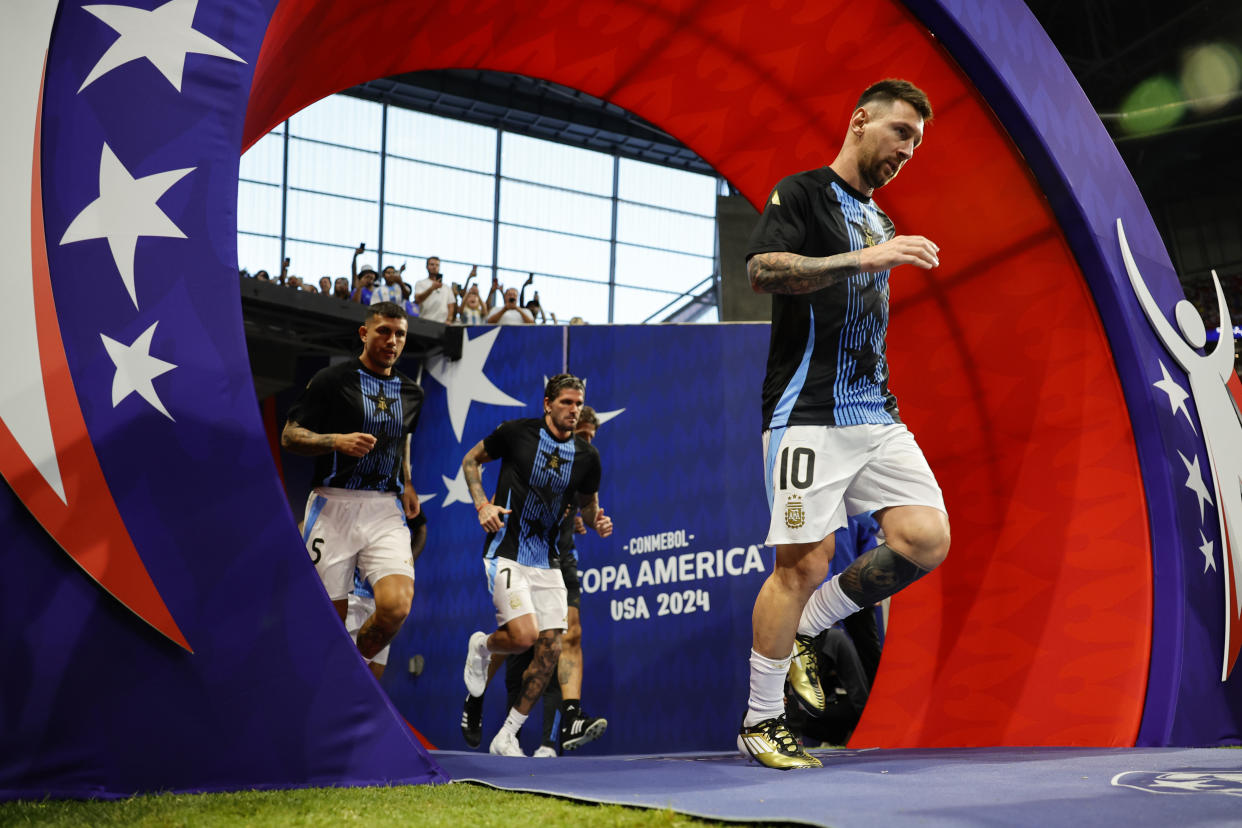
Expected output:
(466, 672)
(807, 708)
(593, 732)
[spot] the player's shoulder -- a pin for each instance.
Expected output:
(407, 382)
(531, 424)
(795, 190)
(585, 448)
(335, 371)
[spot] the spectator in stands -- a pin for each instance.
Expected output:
(341, 288)
(472, 311)
(536, 311)
(325, 285)
(406, 302)
(354, 275)
(390, 290)
(263, 276)
(432, 296)
(365, 285)
(511, 313)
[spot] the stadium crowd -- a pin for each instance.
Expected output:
(429, 298)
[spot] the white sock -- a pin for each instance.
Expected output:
(514, 721)
(767, 688)
(827, 606)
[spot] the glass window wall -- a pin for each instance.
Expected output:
(608, 239)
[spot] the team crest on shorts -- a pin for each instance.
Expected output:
(794, 516)
(515, 602)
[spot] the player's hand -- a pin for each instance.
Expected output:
(579, 526)
(899, 250)
(356, 444)
(410, 498)
(491, 517)
(603, 524)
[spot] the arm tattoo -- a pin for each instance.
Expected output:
(589, 509)
(473, 472)
(878, 574)
(299, 440)
(372, 638)
(542, 664)
(791, 273)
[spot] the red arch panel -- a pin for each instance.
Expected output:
(1037, 630)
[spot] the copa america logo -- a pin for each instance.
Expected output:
(1182, 782)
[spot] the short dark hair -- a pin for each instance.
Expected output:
(388, 310)
(587, 416)
(894, 89)
(560, 383)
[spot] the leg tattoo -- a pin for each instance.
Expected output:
(547, 648)
(878, 574)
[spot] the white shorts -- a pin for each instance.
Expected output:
(360, 609)
(817, 476)
(364, 529)
(518, 589)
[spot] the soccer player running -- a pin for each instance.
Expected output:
(354, 418)
(565, 724)
(545, 465)
(833, 442)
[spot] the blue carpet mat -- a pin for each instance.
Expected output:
(980, 786)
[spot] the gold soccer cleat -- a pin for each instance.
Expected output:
(772, 745)
(803, 676)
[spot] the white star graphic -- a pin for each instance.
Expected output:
(464, 380)
(1177, 396)
(458, 491)
(1209, 560)
(1184, 784)
(164, 36)
(605, 416)
(427, 498)
(135, 368)
(1194, 482)
(126, 209)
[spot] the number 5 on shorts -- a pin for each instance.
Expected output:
(316, 552)
(797, 467)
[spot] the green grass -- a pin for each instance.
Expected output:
(405, 806)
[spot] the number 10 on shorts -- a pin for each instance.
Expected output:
(796, 468)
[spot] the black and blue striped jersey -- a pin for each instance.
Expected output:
(539, 476)
(347, 398)
(827, 361)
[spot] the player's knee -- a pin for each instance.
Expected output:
(524, 639)
(803, 573)
(923, 538)
(392, 610)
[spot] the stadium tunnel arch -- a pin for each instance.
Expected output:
(1000, 359)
